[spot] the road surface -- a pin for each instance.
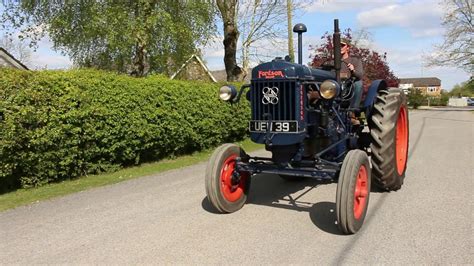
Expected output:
(165, 218)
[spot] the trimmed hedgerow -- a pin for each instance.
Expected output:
(57, 125)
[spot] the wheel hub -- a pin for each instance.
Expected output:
(361, 192)
(401, 140)
(232, 183)
(235, 180)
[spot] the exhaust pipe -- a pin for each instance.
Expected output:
(300, 28)
(336, 39)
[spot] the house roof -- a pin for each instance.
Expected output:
(221, 75)
(194, 56)
(421, 82)
(11, 59)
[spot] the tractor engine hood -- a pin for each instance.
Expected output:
(281, 69)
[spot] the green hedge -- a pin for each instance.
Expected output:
(57, 125)
(416, 98)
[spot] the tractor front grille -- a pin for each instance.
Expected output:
(284, 109)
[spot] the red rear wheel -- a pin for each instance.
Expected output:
(401, 140)
(389, 131)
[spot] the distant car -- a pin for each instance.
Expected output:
(470, 101)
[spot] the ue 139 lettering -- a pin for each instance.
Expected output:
(274, 127)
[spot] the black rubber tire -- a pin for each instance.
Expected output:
(347, 221)
(213, 179)
(383, 126)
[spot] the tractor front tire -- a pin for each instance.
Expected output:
(224, 193)
(389, 139)
(353, 190)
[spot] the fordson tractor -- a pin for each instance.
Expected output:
(315, 137)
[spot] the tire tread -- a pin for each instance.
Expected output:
(382, 131)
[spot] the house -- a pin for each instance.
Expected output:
(430, 86)
(194, 69)
(8, 60)
(221, 75)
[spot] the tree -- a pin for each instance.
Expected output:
(228, 10)
(258, 21)
(362, 38)
(18, 49)
(375, 64)
(291, 48)
(253, 21)
(416, 98)
(457, 48)
(134, 37)
(259, 26)
(465, 89)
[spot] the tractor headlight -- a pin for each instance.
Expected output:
(227, 93)
(329, 89)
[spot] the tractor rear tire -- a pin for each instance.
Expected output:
(223, 193)
(353, 190)
(389, 139)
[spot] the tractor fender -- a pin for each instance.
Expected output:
(376, 85)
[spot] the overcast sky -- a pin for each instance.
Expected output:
(405, 29)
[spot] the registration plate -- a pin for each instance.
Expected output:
(275, 126)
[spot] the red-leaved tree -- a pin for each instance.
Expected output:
(375, 64)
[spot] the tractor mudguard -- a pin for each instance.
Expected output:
(376, 85)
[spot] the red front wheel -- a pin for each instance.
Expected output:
(353, 190)
(226, 188)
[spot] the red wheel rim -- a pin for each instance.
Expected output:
(361, 192)
(231, 192)
(401, 140)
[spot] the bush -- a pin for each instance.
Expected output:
(416, 98)
(438, 101)
(61, 124)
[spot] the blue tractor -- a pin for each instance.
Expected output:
(315, 138)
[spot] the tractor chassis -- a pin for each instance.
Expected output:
(317, 168)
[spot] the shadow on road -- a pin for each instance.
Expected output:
(323, 215)
(272, 191)
(206, 205)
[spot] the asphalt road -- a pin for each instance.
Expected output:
(165, 218)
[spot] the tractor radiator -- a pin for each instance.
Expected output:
(263, 100)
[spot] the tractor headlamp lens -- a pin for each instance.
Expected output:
(227, 93)
(329, 89)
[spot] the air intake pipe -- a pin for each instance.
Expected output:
(300, 28)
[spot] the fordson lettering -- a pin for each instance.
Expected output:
(270, 74)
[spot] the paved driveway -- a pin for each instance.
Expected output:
(165, 218)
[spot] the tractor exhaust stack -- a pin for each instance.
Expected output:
(336, 38)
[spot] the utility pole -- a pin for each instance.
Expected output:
(289, 14)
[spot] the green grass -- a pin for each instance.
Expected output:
(26, 196)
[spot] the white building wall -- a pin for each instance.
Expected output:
(405, 87)
(457, 102)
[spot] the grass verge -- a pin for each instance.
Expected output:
(25, 196)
